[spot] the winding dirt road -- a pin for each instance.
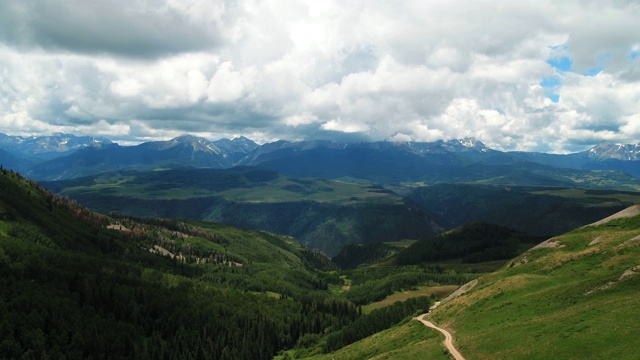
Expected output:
(448, 340)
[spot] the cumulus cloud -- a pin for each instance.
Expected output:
(135, 28)
(531, 75)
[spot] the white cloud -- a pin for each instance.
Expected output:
(300, 119)
(104, 128)
(225, 85)
(126, 87)
(338, 125)
(273, 69)
(130, 28)
(631, 128)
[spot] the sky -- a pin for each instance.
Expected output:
(551, 76)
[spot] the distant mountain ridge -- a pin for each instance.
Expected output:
(48, 147)
(608, 150)
(454, 161)
(186, 150)
(62, 156)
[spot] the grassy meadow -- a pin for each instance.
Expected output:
(410, 340)
(440, 291)
(575, 299)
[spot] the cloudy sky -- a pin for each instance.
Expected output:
(554, 76)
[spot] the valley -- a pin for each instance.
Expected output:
(335, 255)
(326, 215)
(319, 180)
(323, 214)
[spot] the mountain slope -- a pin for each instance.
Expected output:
(48, 147)
(604, 156)
(575, 293)
(183, 151)
(322, 214)
(607, 150)
(9, 160)
(454, 161)
(573, 296)
(178, 152)
(534, 210)
(237, 148)
(76, 284)
(474, 242)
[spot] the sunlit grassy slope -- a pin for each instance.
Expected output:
(575, 297)
(409, 340)
(441, 291)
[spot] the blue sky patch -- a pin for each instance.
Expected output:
(562, 63)
(552, 81)
(593, 71)
(550, 85)
(553, 96)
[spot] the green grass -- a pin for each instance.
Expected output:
(410, 340)
(567, 302)
(484, 267)
(401, 243)
(441, 291)
(4, 227)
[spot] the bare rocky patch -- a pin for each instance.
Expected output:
(627, 273)
(550, 243)
(630, 272)
(119, 227)
(596, 240)
(630, 242)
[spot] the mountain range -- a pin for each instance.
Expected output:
(48, 147)
(275, 186)
(62, 156)
(79, 284)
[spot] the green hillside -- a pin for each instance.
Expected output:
(410, 340)
(544, 211)
(472, 243)
(82, 285)
(322, 214)
(573, 297)
(77, 285)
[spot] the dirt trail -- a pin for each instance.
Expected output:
(448, 340)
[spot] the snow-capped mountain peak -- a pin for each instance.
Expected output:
(608, 150)
(465, 144)
(42, 145)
